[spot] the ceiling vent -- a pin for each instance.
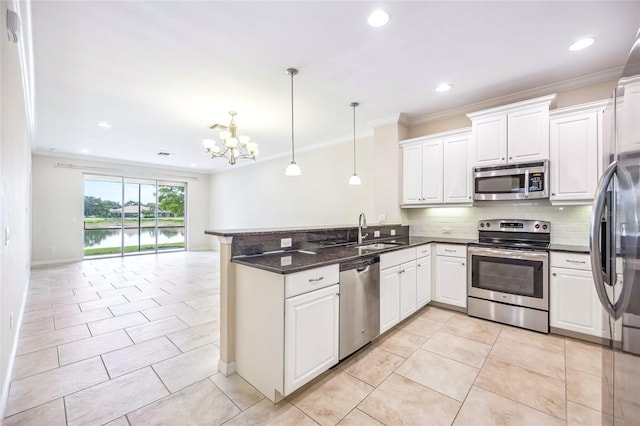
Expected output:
(165, 154)
(13, 24)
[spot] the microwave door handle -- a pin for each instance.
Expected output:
(595, 246)
(526, 183)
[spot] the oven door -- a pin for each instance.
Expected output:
(516, 277)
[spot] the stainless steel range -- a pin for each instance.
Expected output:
(508, 273)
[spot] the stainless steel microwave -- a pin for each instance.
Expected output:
(522, 181)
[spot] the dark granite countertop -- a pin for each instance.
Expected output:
(569, 248)
(286, 262)
(263, 231)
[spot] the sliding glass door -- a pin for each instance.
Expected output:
(126, 216)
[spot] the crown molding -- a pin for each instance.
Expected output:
(588, 107)
(562, 86)
(399, 118)
(544, 100)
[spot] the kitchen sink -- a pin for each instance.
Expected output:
(378, 246)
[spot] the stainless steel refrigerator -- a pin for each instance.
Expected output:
(614, 248)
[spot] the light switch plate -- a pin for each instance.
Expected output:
(393, 232)
(446, 231)
(376, 234)
(285, 261)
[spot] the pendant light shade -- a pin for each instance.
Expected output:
(292, 169)
(355, 179)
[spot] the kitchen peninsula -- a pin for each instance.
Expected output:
(264, 271)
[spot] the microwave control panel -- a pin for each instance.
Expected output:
(536, 182)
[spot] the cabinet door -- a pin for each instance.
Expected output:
(407, 289)
(457, 171)
(412, 174)
(489, 135)
(573, 303)
(628, 105)
(528, 135)
(573, 144)
(423, 281)
(451, 281)
(389, 298)
(311, 335)
(432, 172)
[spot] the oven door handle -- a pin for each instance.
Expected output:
(510, 254)
(599, 278)
(526, 183)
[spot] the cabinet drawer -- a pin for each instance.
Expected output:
(453, 250)
(312, 279)
(570, 260)
(394, 258)
(422, 251)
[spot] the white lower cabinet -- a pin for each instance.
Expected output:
(311, 335)
(574, 303)
(408, 299)
(287, 327)
(403, 284)
(389, 298)
(451, 275)
(423, 281)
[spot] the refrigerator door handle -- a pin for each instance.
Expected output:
(599, 277)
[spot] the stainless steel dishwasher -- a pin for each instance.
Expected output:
(359, 303)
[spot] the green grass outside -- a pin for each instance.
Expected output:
(129, 249)
(131, 222)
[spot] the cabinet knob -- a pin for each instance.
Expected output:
(553, 193)
(502, 158)
(554, 274)
(510, 158)
(462, 263)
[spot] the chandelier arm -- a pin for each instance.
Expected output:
(293, 154)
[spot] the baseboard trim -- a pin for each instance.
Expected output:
(55, 261)
(9, 373)
(226, 369)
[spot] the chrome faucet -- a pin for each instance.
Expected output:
(362, 224)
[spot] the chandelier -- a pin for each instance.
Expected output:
(233, 147)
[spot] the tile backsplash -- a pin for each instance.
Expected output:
(569, 224)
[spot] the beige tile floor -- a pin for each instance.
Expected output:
(135, 341)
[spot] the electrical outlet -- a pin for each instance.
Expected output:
(52, 249)
(285, 242)
(393, 232)
(382, 218)
(376, 234)
(285, 261)
(446, 231)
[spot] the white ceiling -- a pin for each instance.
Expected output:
(162, 72)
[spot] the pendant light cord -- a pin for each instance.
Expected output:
(354, 138)
(293, 154)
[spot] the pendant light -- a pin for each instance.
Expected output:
(292, 169)
(355, 179)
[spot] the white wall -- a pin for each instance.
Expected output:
(58, 205)
(261, 196)
(15, 198)
(569, 224)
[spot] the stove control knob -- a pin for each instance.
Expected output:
(544, 226)
(537, 226)
(488, 225)
(482, 225)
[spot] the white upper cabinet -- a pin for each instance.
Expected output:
(490, 140)
(432, 171)
(412, 173)
(457, 179)
(627, 111)
(514, 133)
(436, 169)
(574, 138)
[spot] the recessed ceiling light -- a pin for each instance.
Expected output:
(85, 151)
(104, 124)
(582, 44)
(192, 165)
(443, 87)
(165, 154)
(378, 18)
